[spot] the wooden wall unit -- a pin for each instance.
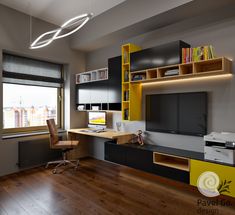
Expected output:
(171, 161)
(204, 68)
(131, 93)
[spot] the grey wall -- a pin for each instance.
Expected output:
(221, 92)
(14, 31)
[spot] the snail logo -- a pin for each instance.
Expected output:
(208, 183)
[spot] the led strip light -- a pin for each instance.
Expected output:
(75, 23)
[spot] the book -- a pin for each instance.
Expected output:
(197, 53)
(172, 72)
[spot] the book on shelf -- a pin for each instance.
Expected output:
(172, 72)
(126, 75)
(126, 95)
(197, 53)
(85, 78)
(103, 74)
(125, 57)
(126, 114)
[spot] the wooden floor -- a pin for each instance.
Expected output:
(100, 187)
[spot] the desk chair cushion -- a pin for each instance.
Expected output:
(65, 144)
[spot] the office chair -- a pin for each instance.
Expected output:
(65, 146)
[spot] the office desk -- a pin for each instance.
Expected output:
(120, 137)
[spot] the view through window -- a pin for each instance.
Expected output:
(26, 106)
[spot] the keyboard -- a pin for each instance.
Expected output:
(93, 130)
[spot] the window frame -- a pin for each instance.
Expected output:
(60, 116)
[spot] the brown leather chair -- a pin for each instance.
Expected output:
(65, 146)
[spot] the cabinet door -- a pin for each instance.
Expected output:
(139, 158)
(114, 82)
(114, 153)
(84, 94)
(99, 92)
(224, 172)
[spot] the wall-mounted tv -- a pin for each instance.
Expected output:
(178, 113)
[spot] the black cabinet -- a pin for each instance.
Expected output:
(107, 93)
(114, 83)
(114, 153)
(158, 56)
(141, 157)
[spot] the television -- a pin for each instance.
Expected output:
(178, 113)
(97, 119)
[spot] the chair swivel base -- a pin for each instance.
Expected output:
(63, 162)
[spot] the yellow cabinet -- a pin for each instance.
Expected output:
(224, 172)
(131, 93)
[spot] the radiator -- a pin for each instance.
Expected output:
(36, 152)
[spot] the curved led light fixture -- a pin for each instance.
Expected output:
(75, 24)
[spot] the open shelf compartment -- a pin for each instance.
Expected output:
(171, 161)
(151, 73)
(168, 71)
(186, 69)
(213, 65)
(138, 76)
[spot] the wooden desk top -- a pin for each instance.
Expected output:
(121, 137)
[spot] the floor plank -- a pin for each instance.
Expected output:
(100, 187)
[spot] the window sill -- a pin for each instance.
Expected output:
(19, 135)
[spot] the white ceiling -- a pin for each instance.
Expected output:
(59, 11)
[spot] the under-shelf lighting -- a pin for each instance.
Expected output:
(72, 25)
(214, 77)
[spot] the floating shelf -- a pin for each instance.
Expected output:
(171, 161)
(92, 76)
(212, 67)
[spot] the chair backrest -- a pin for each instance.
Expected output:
(53, 132)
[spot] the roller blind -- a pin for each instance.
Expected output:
(27, 71)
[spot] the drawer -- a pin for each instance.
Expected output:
(219, 154)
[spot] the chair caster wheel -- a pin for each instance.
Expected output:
(54, 171)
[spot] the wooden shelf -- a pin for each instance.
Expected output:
(212, 67)
(171, 161)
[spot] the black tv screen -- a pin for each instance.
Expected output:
(178, 113)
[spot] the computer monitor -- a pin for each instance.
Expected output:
(97, 119)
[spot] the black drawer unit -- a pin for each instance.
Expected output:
(141, 157)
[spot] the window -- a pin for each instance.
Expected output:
(32, 92)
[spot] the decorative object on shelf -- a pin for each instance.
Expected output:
(91, 76)
(197, 54)
(118, 125)
(81, 107)
(95, 107)
(140, 138)
(69, 27)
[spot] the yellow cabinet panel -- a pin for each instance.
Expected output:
(131, 93)
(224, 172)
